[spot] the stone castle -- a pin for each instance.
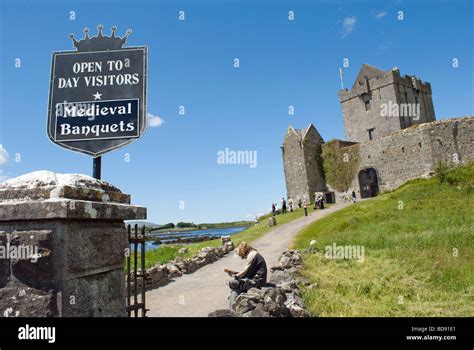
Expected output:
(392, 136)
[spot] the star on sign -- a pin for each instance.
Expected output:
(97, 96)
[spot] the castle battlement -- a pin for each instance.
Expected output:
(364, 86)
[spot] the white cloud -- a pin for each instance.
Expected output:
(380, 15)
(154, 121)
(348, 25)
(4, 157)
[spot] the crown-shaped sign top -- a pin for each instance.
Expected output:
(100, 42)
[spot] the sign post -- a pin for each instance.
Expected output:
(97, 98)
(97, 167)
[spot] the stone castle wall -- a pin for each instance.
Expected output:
(399, 148)
(453, 140)
(409, 85)
(314, 169)
(294, 166)
(380, 90)
(412, 153)
(357, 120)
(302, 162)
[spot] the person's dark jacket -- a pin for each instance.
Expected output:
(255, 270)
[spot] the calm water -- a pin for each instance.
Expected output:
(218, 232)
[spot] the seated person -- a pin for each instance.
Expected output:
(254, 275)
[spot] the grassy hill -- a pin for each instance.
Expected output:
(419, 252)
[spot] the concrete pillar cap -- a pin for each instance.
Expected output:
(47, 195)
(44, 185)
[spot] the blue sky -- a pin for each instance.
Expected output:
(282, 63)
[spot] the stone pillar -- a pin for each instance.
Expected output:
(62, 244)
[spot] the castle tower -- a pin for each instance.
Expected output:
(302, 163)
(381, 102)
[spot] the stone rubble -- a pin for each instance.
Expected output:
(183, 250)
(271, 221)
(280, 298)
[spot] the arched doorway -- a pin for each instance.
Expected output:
(368, 182)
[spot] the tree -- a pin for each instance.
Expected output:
(185, 224)
(170, 225)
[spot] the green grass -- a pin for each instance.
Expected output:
(410, 236)
(167, 253)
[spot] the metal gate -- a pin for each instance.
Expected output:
(136, 277)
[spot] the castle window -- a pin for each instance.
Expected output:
(403, 149)
(371, 133)
(367, 105)
(366, 98)
(406, 97)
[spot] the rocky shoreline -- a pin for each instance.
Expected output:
(181, 240)
(280, 298)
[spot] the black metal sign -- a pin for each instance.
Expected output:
(97, 99)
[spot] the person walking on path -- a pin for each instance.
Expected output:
(305, 207)
(254, 275)
(353, 196)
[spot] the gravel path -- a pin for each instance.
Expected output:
(205, 290)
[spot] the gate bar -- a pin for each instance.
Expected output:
(128, 273)
(97, 167)
(143, 270)
(135, 269)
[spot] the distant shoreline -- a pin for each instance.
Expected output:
(190, 229)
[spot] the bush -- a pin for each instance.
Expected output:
(441, 170)
(461, 177)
